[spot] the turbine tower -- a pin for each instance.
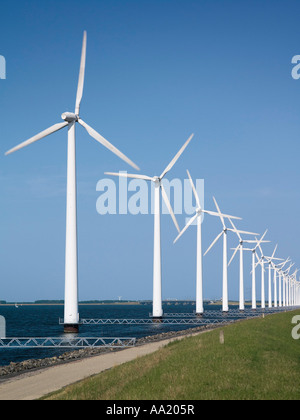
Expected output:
(157, 310)
(198, 216)
(71, 315)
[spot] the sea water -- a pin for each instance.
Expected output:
(43, 321)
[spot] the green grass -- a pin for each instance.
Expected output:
(259, 361)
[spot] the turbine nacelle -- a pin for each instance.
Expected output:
(157, 180)
(69, 117)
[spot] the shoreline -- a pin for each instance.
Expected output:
(34, 379)
(34, 385)
(16, 369)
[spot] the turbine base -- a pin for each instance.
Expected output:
(157, 319)
(71, 328)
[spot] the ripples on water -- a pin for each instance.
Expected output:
(43, 321)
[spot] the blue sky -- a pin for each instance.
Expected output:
(156, 72)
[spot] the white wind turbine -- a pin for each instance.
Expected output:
(225, 306)
(157, 311)
(254, 256)
(262, 261)
(286, 284)
(198, 216)
(294, 283)
(292, 280)
(270, 262)
(71, 316)
(278, 269)
(240, 248)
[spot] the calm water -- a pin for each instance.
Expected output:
(43, 321)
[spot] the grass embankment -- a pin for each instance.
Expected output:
(259, 360)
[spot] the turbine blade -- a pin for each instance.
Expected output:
(234, 254)
(172, 163)
(214, 242)
(220, 214)
(241, 231)
(125, 175)
(235, 230)
(274, 251)
(261, 239)
(169, 207)
(226, 216)
(81, 75)
(275, 259)
(191, 221)
(39, 136)
(249, 241)
(194, 190)
(106, 144)
(257, 264)
(259, 261)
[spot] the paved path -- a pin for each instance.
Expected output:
(34, 385)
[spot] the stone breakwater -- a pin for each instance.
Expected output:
(14, 369)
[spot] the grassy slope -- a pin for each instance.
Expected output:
(259, 360)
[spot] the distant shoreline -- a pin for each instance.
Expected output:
(99, 303)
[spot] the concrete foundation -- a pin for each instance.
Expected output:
(157, 319)
(71, 328)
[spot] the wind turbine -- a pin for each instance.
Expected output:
(157, 311)
(198, 216)
(262, 261)
(286, 282)
(278, 269)
(292, 282)
(71, 315)
(254, 256)
(240, 248)
(225, 306)
(270, 262)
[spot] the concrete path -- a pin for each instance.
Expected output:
(34, 385)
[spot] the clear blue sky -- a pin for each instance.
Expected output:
(156, 72)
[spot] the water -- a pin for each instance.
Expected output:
(43, 321)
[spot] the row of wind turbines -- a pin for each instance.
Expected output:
(285, 286)
(290, 292)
